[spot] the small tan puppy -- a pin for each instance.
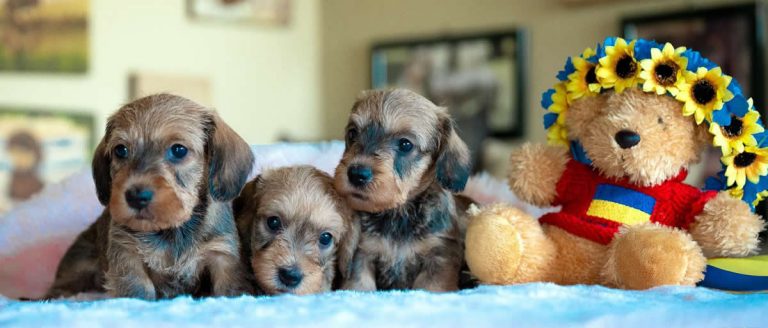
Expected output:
(402, 163)
(295, 230)
(167, 170)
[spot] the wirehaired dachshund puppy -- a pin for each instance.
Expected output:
(167, 170)
(295, 230)
(402, 162)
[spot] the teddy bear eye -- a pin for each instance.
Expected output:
(660, 120)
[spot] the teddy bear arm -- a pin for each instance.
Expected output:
(534, 171)
(726, 227)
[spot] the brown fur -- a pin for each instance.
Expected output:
(507, 246)
(538, 188)
(304, 200)
(187, 231)
(733, 237)
(670, 141)
(649, 255)
(412, 231)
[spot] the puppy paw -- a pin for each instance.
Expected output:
(727, 228)
(534, 170)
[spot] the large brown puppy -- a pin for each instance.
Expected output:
(402, 160)
(295, 230)
(166, 170)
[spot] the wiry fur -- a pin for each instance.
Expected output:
(305, 202)
(412, 228)
(185, 241)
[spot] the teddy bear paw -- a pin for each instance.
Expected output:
(649, 255)
(534, 171)
(501, 241)
(727, 228)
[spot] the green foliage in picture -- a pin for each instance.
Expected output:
(44, 35)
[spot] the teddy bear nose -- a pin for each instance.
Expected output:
(627, 139)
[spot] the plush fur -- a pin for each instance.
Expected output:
(411, 161)
(506, 246)
(184, 241)
(302, 198)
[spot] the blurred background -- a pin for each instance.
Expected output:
(289, 70)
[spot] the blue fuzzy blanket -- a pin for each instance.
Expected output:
(35, 234)
(532, 305)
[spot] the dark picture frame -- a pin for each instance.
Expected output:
(480, 77)
(706, 32)
(39, 147)
(451, 45)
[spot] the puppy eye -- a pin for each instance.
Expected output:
(404, 145)
(121, 151)
(274, 224)
(325, 239)
(178, 151)
(351, 135)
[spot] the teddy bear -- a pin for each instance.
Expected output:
(625, 122)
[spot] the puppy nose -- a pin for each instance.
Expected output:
(290, 277)
(359, 175)
(138, 198)
(627, 139)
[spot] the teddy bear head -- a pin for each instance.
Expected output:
(645, 111)
(643, 137)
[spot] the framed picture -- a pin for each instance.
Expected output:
(730, 36)
(268, 12)
(38, 148)
(44, 36)
(478, 77)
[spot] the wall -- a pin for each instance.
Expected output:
(556, 31)
(301, 80)
(264, 79)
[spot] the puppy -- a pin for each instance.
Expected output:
(167, 170)
(402, 161)
(295, 230)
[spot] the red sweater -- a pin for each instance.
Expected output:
(594, 207)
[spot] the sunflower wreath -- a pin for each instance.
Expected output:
(708, 95)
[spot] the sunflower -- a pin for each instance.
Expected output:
(559, 99)
(663, 72)
(557, 134)
(619, 69)
(738, 134)
(760, 197)
(750, 165)
(704, 92)
(583, 81)
(737, 193)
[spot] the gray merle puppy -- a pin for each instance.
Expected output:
(402, 162)
(167, 170)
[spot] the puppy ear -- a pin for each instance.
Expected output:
(230, 158)
(246, 201)
(245, 198)
(453, 163)
(348, 244)
(101, 170)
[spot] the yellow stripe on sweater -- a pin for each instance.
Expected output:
(617, 212)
